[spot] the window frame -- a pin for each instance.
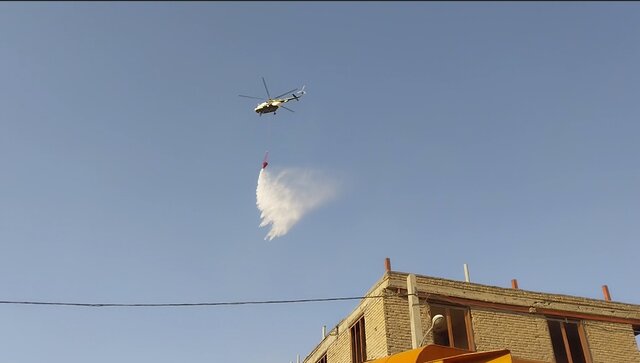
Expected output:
(359, 343)
(584, 344)
(467, 322)
(323, 358)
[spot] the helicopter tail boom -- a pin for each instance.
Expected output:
(297, 95)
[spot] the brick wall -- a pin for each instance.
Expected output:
(340, 350)
(611, 343)
(375, 328)
(398, 324)
(526, 336)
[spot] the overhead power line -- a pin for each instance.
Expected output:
(179, 305)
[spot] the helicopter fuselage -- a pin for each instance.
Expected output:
(268, 107)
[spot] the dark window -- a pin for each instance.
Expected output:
(566, 338)
(455, 329)
(323, 359)
(358, 342)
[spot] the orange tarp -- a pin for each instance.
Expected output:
(440, 354)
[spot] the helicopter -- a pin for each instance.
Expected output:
(272, 104)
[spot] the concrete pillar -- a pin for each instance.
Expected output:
(414, 311)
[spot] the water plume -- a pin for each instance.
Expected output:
(283, 199)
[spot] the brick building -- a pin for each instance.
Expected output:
(531, 325)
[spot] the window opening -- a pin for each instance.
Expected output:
(323, 359)
(567, 341)
(455, 331)
(358, 342)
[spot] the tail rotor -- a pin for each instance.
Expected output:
(297, 95)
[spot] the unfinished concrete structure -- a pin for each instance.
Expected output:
(396, 316)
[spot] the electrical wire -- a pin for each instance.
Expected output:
(176, 305)
(635, 329)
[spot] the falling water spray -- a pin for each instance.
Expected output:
(284, 198)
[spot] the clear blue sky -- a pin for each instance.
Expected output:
(502, 135)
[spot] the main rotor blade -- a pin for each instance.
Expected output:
(257, 98)
(265, 87)
(287, 108)
(278, 96)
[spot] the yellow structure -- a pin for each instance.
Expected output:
(440, 354)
